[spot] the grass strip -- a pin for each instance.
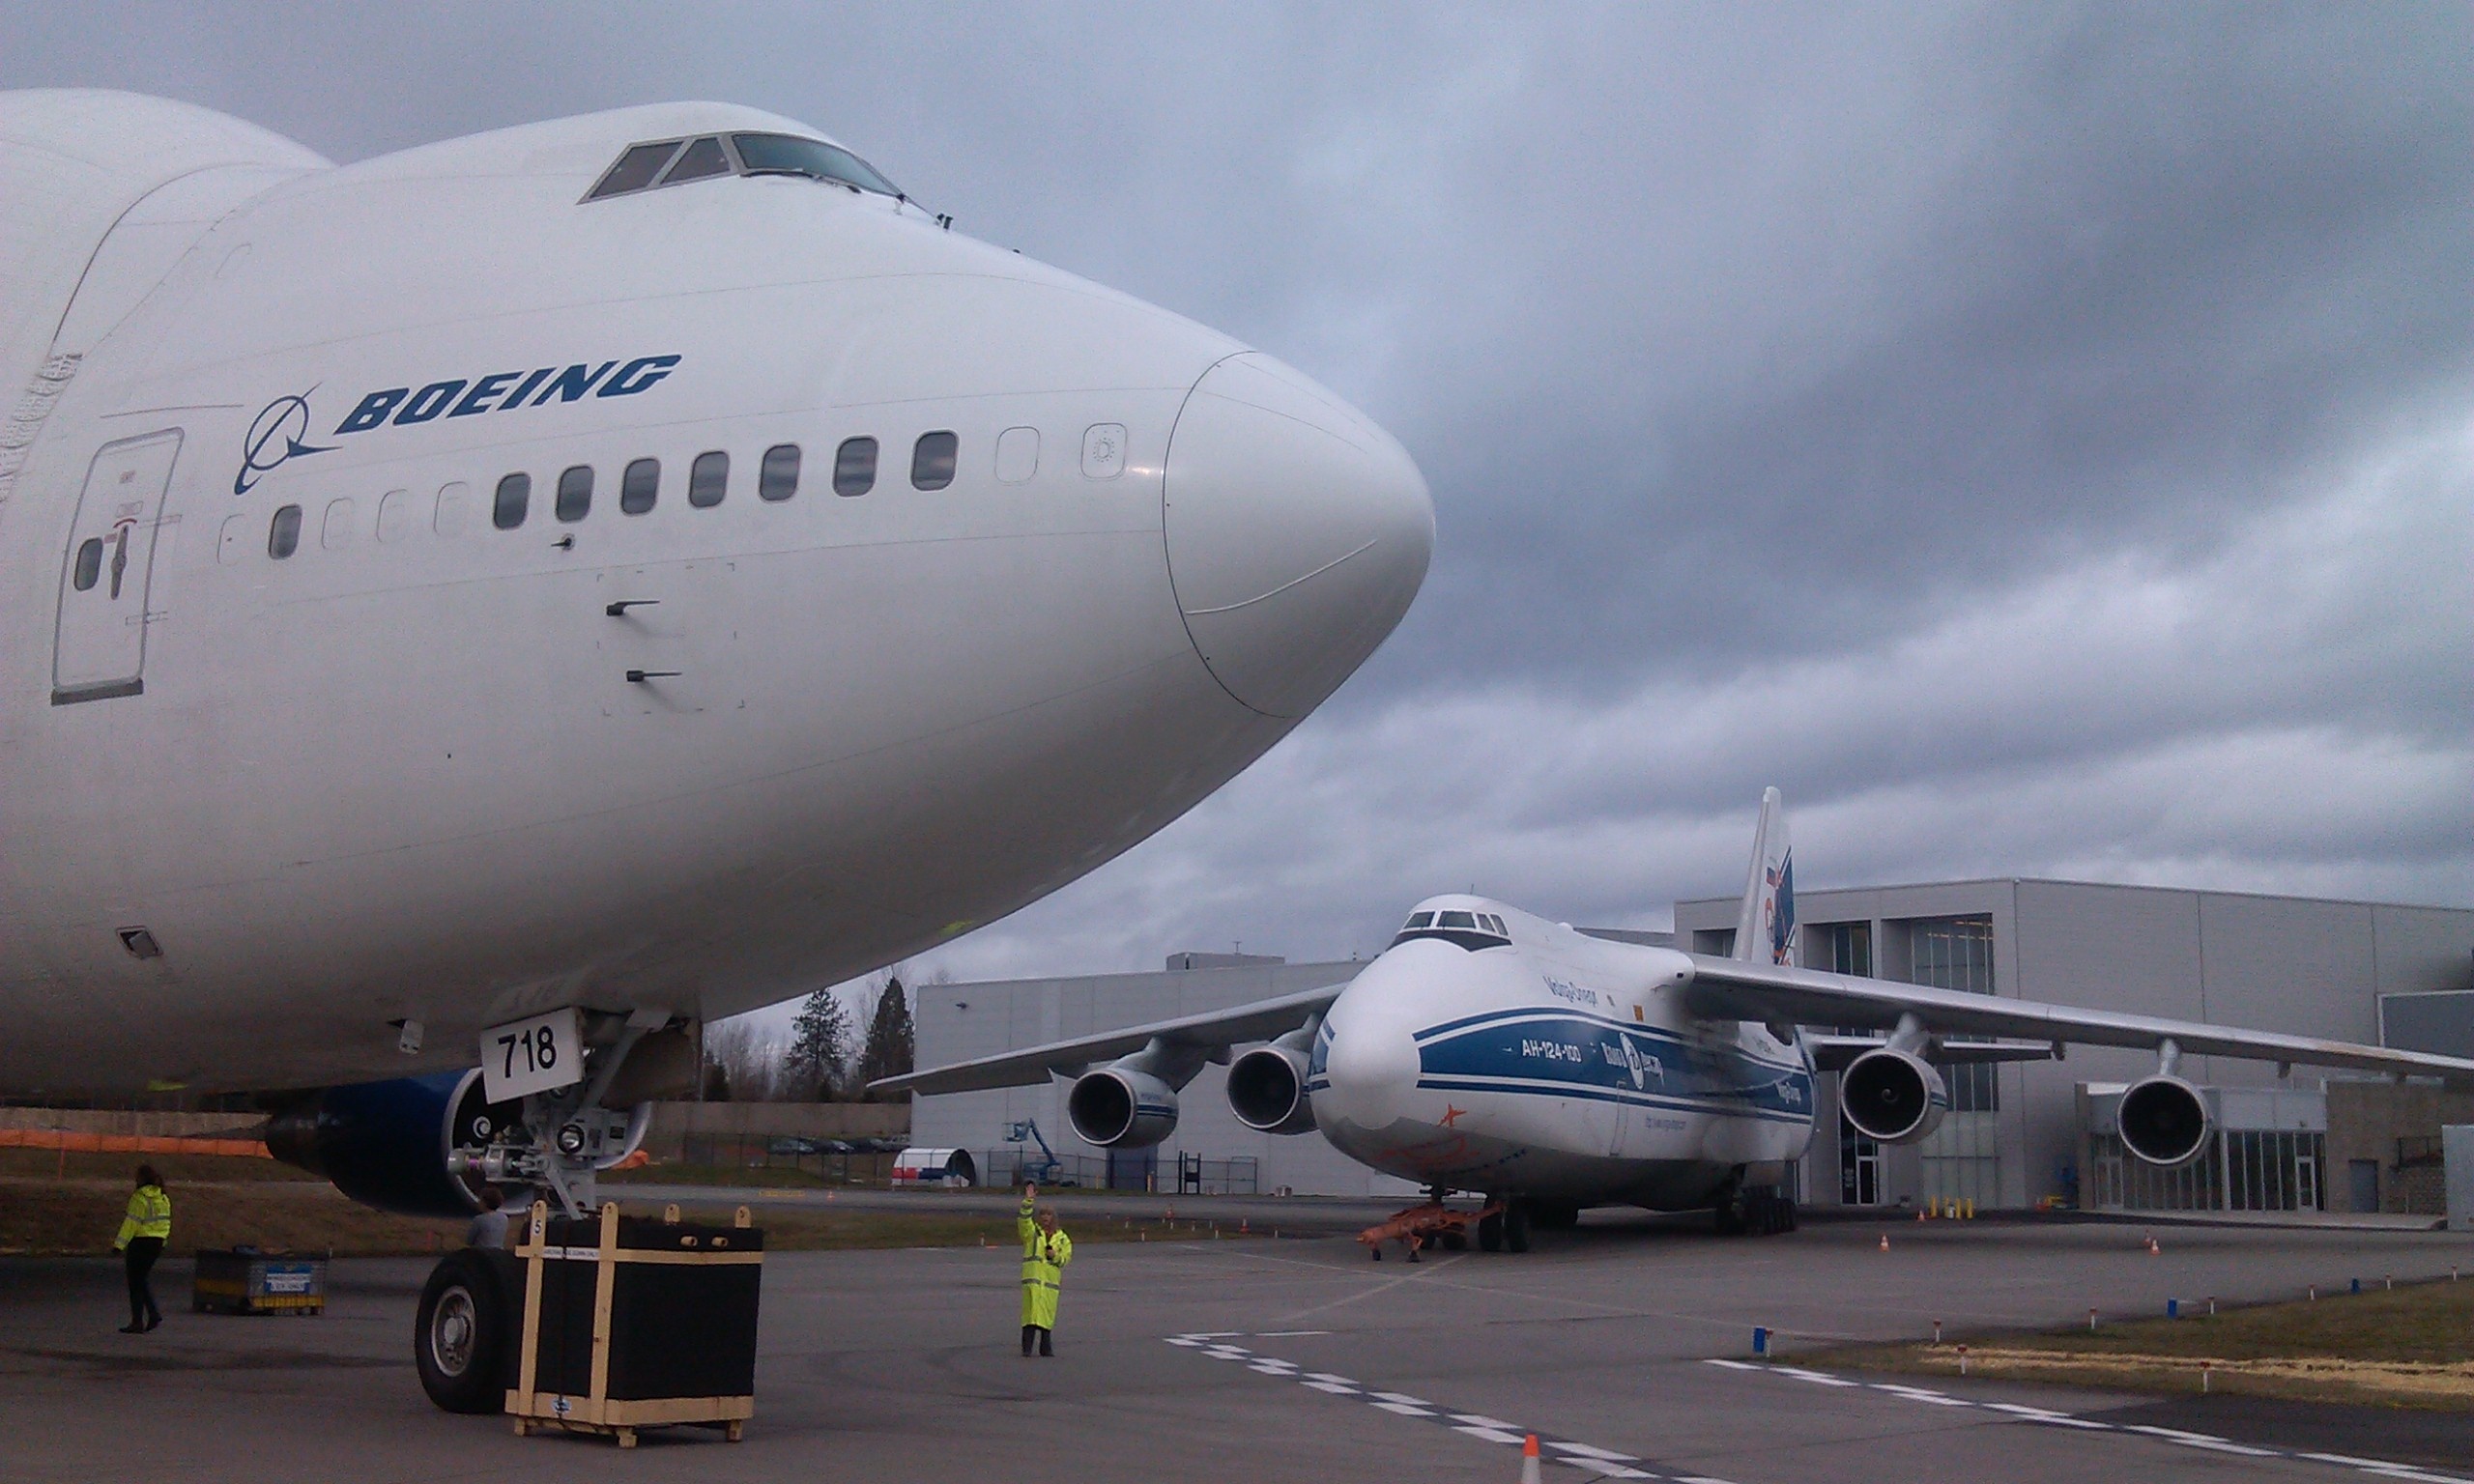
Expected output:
(2412, 1346)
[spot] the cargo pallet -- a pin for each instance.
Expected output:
(641, 1272)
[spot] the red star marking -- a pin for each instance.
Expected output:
(1452, 1116)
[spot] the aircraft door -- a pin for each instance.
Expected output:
(99, 648)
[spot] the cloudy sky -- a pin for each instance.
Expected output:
(2037, 438)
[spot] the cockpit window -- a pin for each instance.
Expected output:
(635, 169)
(790, 155)
(700, 160)
(675, 161)
(1471, 930)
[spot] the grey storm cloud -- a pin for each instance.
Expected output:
(2036, 437)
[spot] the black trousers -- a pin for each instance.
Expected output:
(139, 1259)
(1044, 1337)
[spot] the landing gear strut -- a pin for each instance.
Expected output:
(466, 1342)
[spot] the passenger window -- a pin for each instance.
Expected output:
(709, 480)
(449, 521)
(334, 532)
(854, 467)
(1456, 920)
(394, 515)
(698, 161)
(932, 461)
(575, 494)
(90, 564)
(778, 477)
(640, 487)
(233, 541)
(284, 537)
(514, 498)
(1018, 455)
(635, 169)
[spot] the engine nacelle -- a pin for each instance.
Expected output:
(1891, 1096)
(404, 1145)
(1267, 1091)
(2165, 1121)
(1117, 1107)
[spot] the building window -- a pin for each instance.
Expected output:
(1845, 948)
(777, 478)
(514, 498)
(640, 486)
(575, 493)
(932, 461)
(284, 537)
(709, 480)
(1956, 953)
(854, 467)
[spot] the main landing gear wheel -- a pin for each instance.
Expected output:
(464, 1337)
(1490, 1233)
(1516, 1227)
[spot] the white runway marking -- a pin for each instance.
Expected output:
(1604, 1462)
(2179, 1437)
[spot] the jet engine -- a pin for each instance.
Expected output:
(1267, 1091)
(396, 1145)
(2165, 1121)
(1117, 1106)
(1892, 1096)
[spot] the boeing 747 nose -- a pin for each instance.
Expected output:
(1298, 531)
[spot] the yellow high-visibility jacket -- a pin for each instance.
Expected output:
(1043, 1255)
(150, 1215)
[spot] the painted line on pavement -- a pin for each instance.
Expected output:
(2042, 1418)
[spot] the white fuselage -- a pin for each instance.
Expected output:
(1542, 1063)
(697, 757)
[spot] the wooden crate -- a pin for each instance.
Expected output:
(605, 1348)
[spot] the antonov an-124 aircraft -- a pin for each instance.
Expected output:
(513, 600)
(1493, 1052)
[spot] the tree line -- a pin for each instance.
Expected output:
(824, 1059)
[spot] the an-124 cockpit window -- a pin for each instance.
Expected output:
(676, 161)
(790, 155)
(1469, 930)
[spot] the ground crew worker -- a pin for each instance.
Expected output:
(489, 1225)
(142, 1235)
(1046, 1251)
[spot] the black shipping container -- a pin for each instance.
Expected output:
(678, 1324)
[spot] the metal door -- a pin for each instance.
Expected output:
(2306, 1173)
(100, 647)
(1860, 1167)
(2364, 1173)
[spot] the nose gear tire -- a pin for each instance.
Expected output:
(464, 1336)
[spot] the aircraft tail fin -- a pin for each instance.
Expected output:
(1766, 925)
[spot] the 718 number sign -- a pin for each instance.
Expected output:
(538, 1055)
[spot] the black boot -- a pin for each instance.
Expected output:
(1028, 1330)
(1047, 1336)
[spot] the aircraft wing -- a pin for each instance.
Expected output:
(1832, 1053)
(1213, 1029)
(1731, 988)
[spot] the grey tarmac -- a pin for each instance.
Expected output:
(1261, 1359)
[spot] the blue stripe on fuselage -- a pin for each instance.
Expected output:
(1562, 1053)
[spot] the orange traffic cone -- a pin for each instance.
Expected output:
(1528, 1459)
(2152, 1248)
(1886, 1242)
